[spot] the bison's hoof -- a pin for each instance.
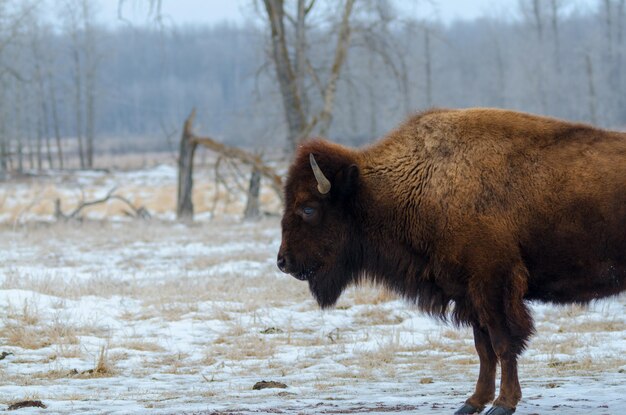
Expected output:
(500, 410)
(467, 409)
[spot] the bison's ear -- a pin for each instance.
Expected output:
(347, 181)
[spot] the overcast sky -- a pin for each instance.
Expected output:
(238, 11)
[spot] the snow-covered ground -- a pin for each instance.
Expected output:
(158, 317)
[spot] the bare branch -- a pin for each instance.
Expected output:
(235, 153)
(137, 212)
(341, 51)
(316, 79)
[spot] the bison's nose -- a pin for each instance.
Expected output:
(282, 263)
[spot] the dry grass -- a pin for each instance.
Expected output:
(22, 327)
(377, 316)
(54, 331)
(582, 363)
(175, 363)
(55, 285)
(27, 315)
(552, 346)
(611, 324)
(385, 354)
(102, 368)
(141, 345)
(437, 341)
(244, 346)
(370, 293)
(67, 351)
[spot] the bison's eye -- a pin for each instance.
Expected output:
(308, 212)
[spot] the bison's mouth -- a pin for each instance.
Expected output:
(300, 276)
(304, 275)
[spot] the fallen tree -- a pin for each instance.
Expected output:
(133, 211)
(188, 144)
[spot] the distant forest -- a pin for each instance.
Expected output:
(131, 88)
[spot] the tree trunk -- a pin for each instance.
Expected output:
(91, 72)
(55, 121)
(78, 105)
(428, 70)
(48, 145)
(501, 74)
(91, 119)
(19, 133)
(30, 141)
(296, 121)
(42, 119)
(373, 101)
(592, 90)
(555, 33)
(253, 211)
(4, 148)
(4, 153)
(184, 203)
(609, 27)
(621, 99)
(300, 60)
(538, 20)
(39, 143)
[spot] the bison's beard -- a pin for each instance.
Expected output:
(326, 287)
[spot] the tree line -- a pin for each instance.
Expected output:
(72, 88)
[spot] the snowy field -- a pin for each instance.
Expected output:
(120, 316)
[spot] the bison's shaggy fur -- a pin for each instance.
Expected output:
(469, 213)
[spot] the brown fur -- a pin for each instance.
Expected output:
(478, 209)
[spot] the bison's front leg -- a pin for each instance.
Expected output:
(498, 301)
(486, 385)
(510, 326)
(510, 390)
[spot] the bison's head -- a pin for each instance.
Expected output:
(320, 240)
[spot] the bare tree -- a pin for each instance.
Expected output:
(55, 116)
(290, 74)
(608, 29)
(592, 90)
(538, 18)
(617, 64)
(533, 12)
(289, 84)
(428, 68)
(78, 18)
(18, 131)
(91, 71)
(620, 21)
(555, 6)
(72, 26)
(43, 132)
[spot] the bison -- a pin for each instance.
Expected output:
(469, 214)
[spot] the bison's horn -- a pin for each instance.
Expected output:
(323, 184)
